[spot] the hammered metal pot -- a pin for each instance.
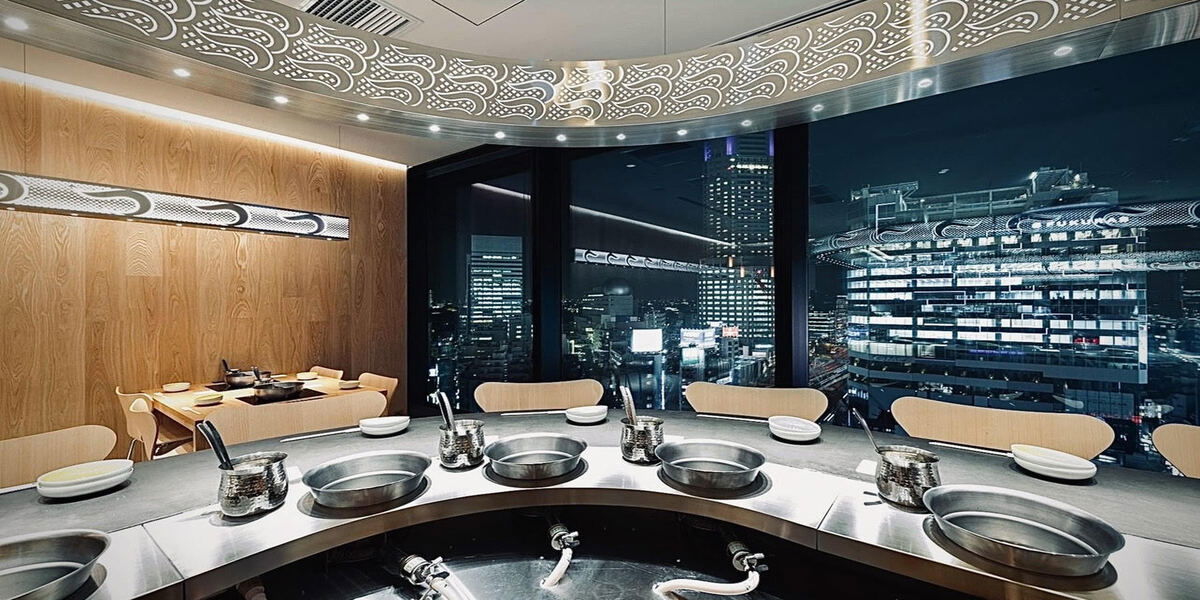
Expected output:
(257, 483)
(640, 440)
(904, 473)
(461, 447)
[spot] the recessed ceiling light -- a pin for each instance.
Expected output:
(681, 132)
(181, 72)
(363, 117)
(924, 83)
(747, 123)
(281, 99)
(562, 137)
(434, 128)
(630, 166)
(1062, 51)
(16, 24)
(818, 107)
(620, 137)
(499, 135)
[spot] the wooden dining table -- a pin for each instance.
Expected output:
(181, 408)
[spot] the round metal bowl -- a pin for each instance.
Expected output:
(535, 455)
(1023, 530)
(277, 390)
(239, 379)
(367, 478)
(50, 565)
(713, 464)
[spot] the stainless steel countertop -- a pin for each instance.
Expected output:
(814, 498)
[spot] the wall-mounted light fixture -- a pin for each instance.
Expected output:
(46, 194)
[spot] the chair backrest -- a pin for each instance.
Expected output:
(998, 429)
(139, 420)
(498, 397)
(24, 459)
(238, 424)
(1180, 444)
(379, 381)
(805, 403)
(326, 372)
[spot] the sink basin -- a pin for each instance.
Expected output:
(50, 565)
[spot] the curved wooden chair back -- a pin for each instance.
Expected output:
(140, 423)
(327, 372)
(239, 424)
(1179, 444)
(389, 384)
(806, 403)
(501, 397)
(998, 429)
(24, 459)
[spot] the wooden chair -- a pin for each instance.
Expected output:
(500, 397)
(156, 439)
(998, 429)
(238, 424)
(806, 403)
(1179, 444)
(387, 383)
(24, 459)
(327, 372)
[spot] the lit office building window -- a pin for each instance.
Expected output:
(1024, 261)
(672, 280)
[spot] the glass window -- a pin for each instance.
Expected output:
(1074, 212)
(480, 321)
(671, 278)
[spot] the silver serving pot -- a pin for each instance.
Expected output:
(256, 483)
(277, 390)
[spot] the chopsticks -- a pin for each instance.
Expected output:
(317, 435)
(747, 419)
(533, 412)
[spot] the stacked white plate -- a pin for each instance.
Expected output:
(587, 415)
(380, 426)
(348, 384)
(1053, 463)
(793, 429)
(86, 478)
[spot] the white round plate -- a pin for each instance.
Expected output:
(84, 473)
(348, 384)
(178, 386)
(1058, 472)
(793, 429)
(83, 489)
(207, 399)
(306, 376)
(587, 415)
(378, 426)
(1050, 458)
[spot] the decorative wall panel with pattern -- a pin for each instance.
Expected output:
(72, 197)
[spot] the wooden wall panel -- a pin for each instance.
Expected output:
(88, 304)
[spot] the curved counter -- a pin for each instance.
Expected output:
(812, 495)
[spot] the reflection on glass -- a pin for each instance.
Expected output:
(1030, 260)
(672, 279)
(480, 324)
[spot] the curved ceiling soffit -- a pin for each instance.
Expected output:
(413, 86)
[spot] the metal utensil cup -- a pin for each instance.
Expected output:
(461, 446)
(257, 483)
(903, 474)
(640, 439)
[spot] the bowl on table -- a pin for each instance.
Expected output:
(178, 386)
(587, 415)
(306, 376)
(793, 429)
(1052, 463)
(381, 426)
(348, 384)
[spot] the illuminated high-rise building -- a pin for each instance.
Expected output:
(496, 325)
(739, 290)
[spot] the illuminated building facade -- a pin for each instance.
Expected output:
(496, 326)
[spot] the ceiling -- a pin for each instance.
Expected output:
(587, 29)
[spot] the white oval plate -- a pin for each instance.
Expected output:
(208, 399)
(306, 376)
(83, 489)
(84, 473)
(587, 415)
(1058, 472)
(793, 429)
(383, 425)
(178, 386)
(1051, 458)
(349, 384)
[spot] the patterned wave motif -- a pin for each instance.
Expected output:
(1078, 218)
(28, 192)
(860, 42)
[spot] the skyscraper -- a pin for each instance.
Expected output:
(496, 326)
(739, 290)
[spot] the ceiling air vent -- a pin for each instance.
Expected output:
(367, 15)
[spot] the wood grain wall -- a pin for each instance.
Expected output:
(89, 304)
